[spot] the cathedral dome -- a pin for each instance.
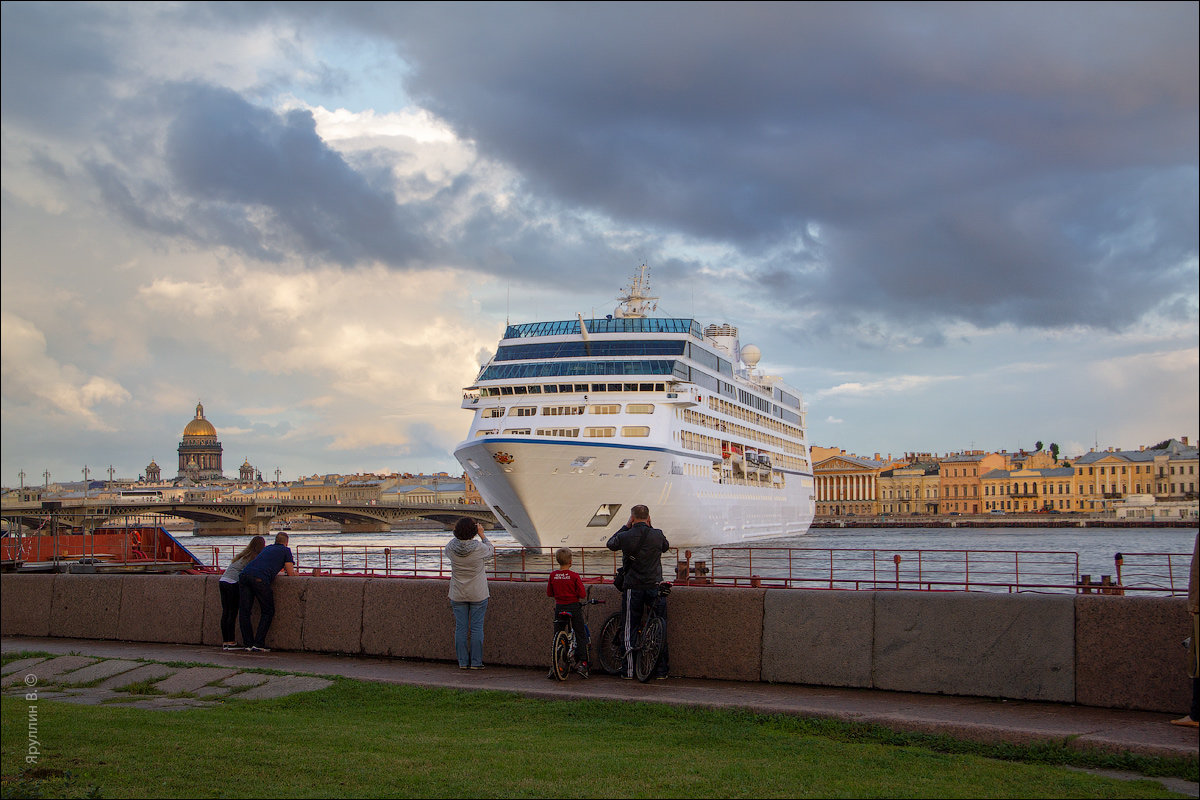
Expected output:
(200, 426)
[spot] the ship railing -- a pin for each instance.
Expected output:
(1009, 571)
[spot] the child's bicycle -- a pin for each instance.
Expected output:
(566, 648)
(647, 647)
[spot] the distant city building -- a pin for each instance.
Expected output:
(960, 484)
(846, 484)
(153, 473)
(200, 451)
(1025, 489)
(910, 489)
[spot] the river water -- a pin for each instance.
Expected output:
(991, 559)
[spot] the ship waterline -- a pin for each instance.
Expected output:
(576, 494)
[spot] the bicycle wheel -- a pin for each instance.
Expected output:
(610, 649)
(649, 649)
(562, 658)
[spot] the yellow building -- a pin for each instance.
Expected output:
(960, 485)
(1026, 490)
(911, 489)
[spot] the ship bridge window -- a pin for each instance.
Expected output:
(521, 389)
(635, 430)
(640, 408)
(613, 408)
(524, 411)
(558, 411)
(599, 432)
(506, 390)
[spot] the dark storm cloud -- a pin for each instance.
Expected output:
(1034, 163)
(228, 155)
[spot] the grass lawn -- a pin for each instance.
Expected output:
(358, 739)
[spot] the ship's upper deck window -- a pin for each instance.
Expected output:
(493, 412)
(524, 411)
(640, 408)
(548, 369)
(599, 432)
(611, 408)
(579, 349)
(635, 430)
(615, 325)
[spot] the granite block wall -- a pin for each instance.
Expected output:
(1129, 652)
(84, 606)
(967, 643)
(407, 619)
(161, 608)
(822, 638)
(26, 607)
(1108, 651)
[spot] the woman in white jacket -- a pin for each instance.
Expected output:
(469, 590)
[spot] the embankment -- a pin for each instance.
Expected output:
(1096, 650)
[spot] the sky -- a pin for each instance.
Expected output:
(950, 225)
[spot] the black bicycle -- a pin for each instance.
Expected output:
(647, 647)
(567, 649)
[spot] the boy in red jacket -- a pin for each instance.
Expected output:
(566, 587)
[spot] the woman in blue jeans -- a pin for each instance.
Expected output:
(469, 559)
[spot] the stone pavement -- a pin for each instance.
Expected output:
(93, 680)
(972, 718)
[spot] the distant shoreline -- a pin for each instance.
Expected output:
(1000, 521)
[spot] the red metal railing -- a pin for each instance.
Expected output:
(777, 567)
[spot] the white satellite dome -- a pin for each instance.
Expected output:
(751, 355)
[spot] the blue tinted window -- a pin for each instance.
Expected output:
(547, 369)
(615, 325)
(632, 347)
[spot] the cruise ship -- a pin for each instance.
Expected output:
(577, 421)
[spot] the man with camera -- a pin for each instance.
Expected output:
(642, 546)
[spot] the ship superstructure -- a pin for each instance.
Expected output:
(576, 421)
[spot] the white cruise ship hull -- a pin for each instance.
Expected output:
(548, 492)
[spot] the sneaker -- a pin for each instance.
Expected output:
(477, 666)
(230, 647)
(1186, 722)
(660, 677)
(256, 649)
(582, 669)
(462, 666)
(626, 677)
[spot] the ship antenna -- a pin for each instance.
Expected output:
(636, 300)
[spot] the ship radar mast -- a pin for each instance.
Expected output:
(636, 300)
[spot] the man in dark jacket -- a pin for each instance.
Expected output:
(642, 546)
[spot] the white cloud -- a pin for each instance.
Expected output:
(898, 384)
(40, 388)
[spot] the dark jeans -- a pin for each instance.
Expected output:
(230, 601)
(251, 589)
(633, 603)
(581, 636)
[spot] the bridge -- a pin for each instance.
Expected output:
(233, 518)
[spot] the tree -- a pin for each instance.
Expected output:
(1054, 450)
(1037, 446)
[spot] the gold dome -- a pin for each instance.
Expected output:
(200, 426)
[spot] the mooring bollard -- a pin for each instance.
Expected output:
(896, 559)
(755, 580)
(1085, 584)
